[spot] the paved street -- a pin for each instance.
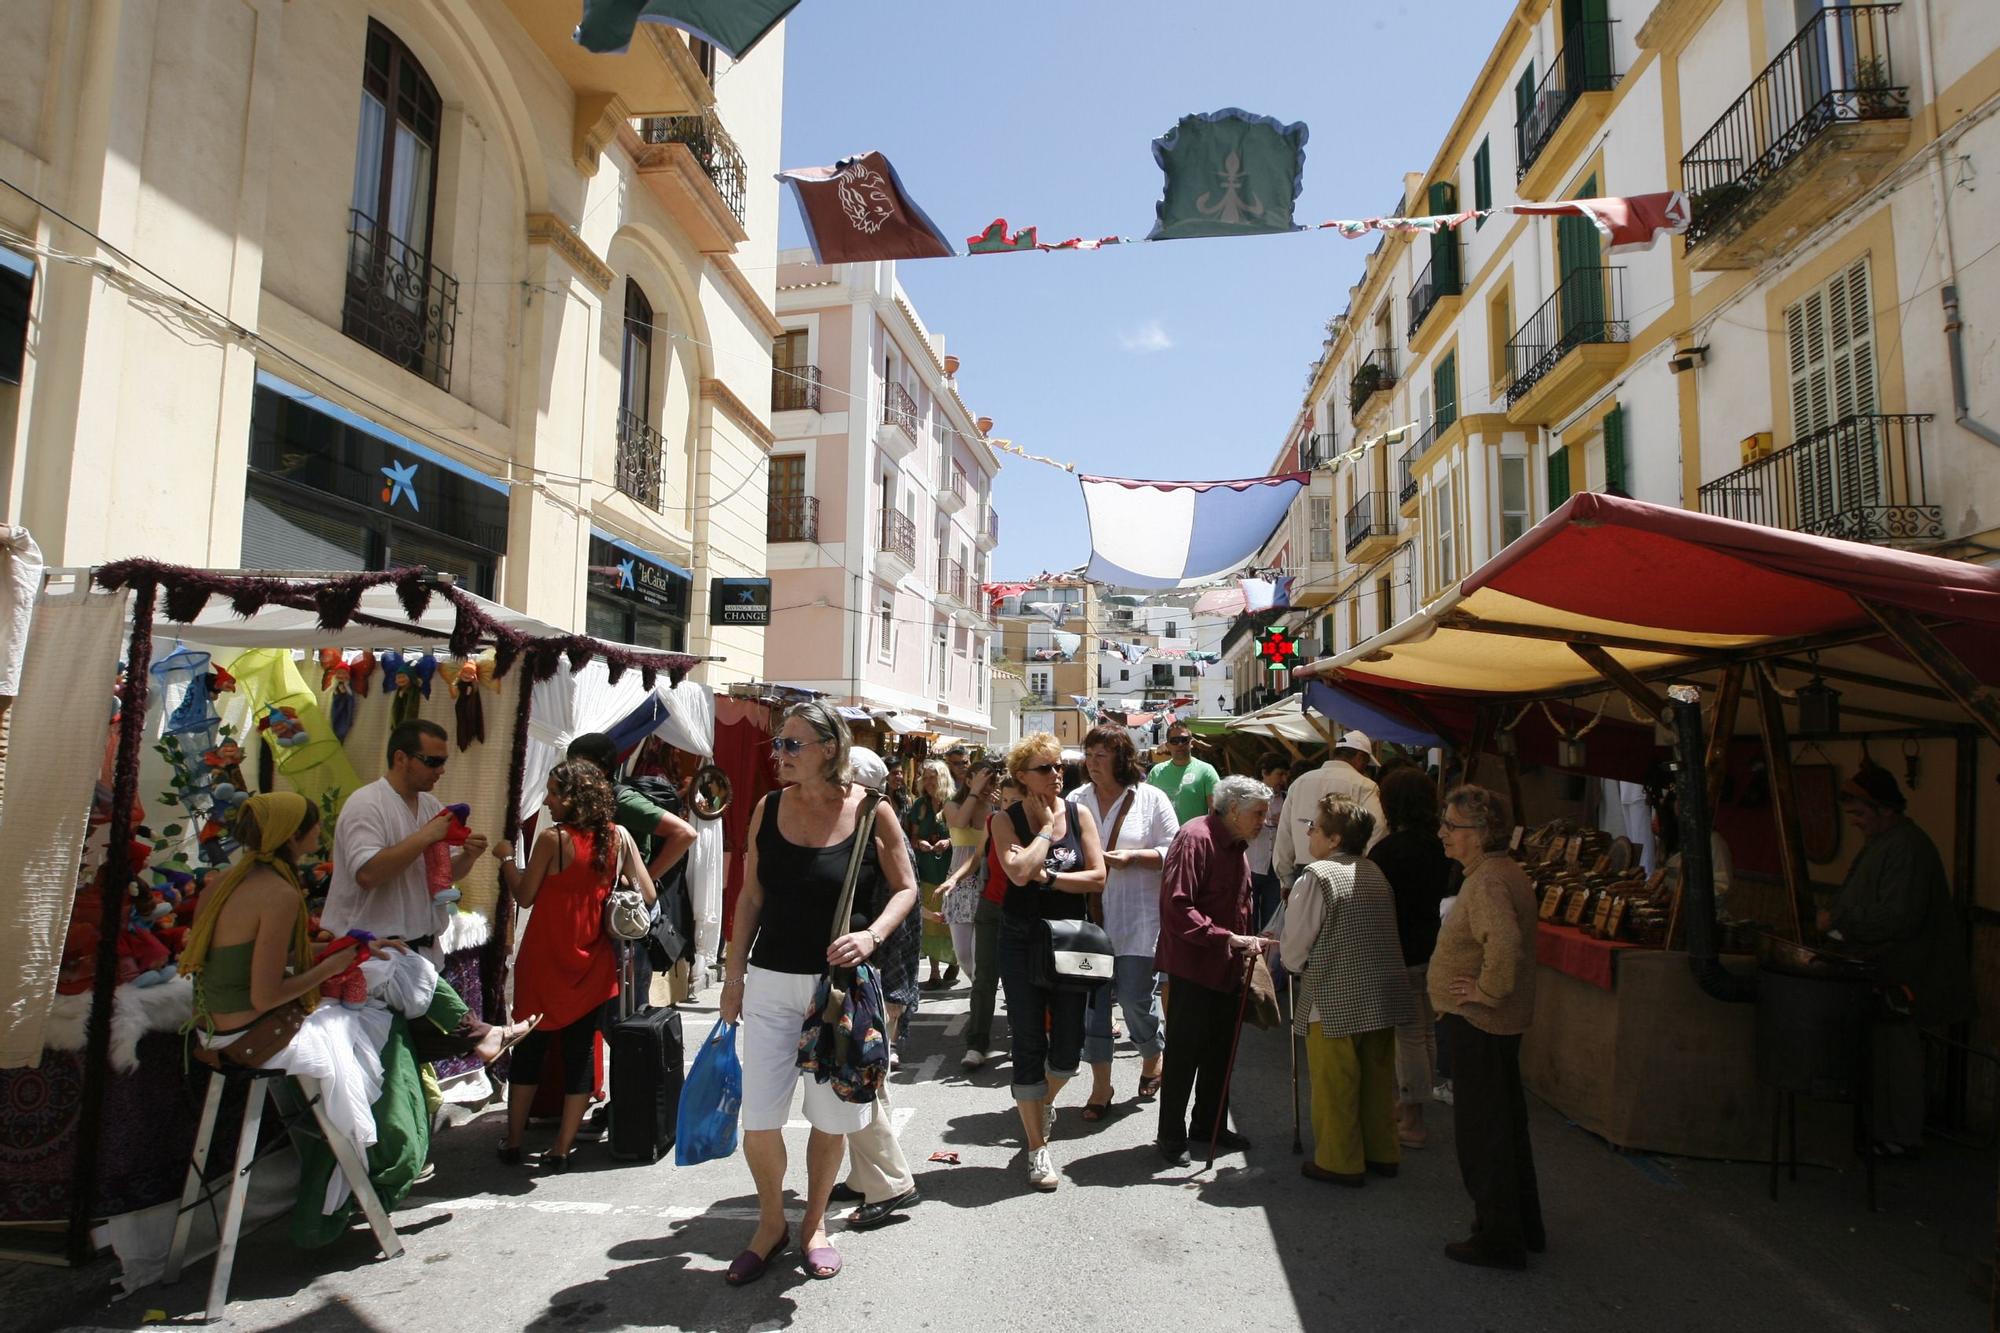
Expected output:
(1635, 1242)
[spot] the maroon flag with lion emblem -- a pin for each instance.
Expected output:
(856, 211)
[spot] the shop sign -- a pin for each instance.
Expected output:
(653, 583)
(739, 602)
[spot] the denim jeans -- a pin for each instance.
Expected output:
(985, 976)
(1037, 1054)
(1135, 985)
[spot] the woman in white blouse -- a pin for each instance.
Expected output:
(1137, 823)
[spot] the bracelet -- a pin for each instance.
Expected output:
(873, 936)
(732, 981)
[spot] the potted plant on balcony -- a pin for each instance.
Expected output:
(1717, 202)
(1873, 96)
(1366, 381)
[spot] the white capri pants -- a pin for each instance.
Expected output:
(774, 1006)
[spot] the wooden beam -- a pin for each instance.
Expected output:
(1860, 678)
(1939, 663)
(1609, 667)
(1784, 804)
(1726, 701)
(1553, 634)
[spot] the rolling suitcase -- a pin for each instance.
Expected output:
(646, 1071)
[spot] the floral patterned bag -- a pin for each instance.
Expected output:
(844, 1039)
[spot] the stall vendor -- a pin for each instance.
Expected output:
(1895, 908)
(379, 884)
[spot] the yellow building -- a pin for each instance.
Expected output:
(1816, 353)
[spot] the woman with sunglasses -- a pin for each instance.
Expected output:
(1048, 848)
(801, 838)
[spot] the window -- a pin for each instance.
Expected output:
(1385, 604)
(1124, 674)
(1513, 497)
(1524, 95)
(395, 154)
(635, 366)
(979, 677)
(1445, 514)
(1614, 451)
(1830, 366)
(1188, 672)
(1038, 683)
(941, 658)
(1322, 527)
(1482, 179)
(793, 385)
(1326, 636)
(788, 476)
(1173, 630)
(885, 642)
(1444, 389)
(704, 56)
(1499, 338)
(1163, 675)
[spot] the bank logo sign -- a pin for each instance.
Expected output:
(739, 602)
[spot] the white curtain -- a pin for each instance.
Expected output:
(59, 738)
(567, 705)
(690, 726)
(20, 580)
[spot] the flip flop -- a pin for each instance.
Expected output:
(748, 1266)
(822, 1263)
(1149, 1087)
(507, 1044)
(1096, 1111)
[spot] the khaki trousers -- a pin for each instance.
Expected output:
(875, 1161)
(1353, 1099)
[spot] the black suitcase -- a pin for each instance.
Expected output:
(647, 1064)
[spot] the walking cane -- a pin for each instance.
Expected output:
(1229, 1070)
(1292, 1044)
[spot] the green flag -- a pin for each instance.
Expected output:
(730, 26)
(1229, 173)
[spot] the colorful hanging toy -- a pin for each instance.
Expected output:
(437, 856)
(471, 713)
(282, 725)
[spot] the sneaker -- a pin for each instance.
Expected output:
(972, 1059)
(1042, 1173)
(1442, 1093)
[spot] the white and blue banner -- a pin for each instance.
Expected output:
(1175, 534)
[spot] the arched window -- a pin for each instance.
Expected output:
(635, 393)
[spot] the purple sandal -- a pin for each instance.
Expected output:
(748, 1266)
(822, 1263)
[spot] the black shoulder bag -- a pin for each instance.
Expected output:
(1071, 953)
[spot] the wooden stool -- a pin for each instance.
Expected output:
(259, 1084)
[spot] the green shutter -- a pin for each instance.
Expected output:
(1482, 178)
(1326, 636)
(1614, 451)
(1443, 198)
(1444, 390)
(1524, 94)
(1558, 477)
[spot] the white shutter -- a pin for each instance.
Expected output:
(1830, 360)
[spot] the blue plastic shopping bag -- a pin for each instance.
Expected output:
(710, 1100)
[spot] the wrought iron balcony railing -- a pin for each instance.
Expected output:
(1315, 449)
(954, 482)
(1439, 279)
(1406, 476)
(398, 302)
(1861, 478)
(720, 160)
(1369, 517)
(951, 580)
(1583, 65)
(899, 536)
(1837, 70)
(993, 524)
(1588, 307)
(900, 410)
(795, 390)
(1377, 371)
(642, 457)
(792, 518)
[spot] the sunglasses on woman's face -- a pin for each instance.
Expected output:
(787, 745)
(1043, 768)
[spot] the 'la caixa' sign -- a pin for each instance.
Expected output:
(739, 602)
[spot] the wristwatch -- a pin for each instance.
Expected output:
(873, 936)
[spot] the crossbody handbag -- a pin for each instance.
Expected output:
(844, 1038)
(1073, 953)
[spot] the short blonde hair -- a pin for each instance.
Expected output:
(1345, 822)
(935, 768)
(1030, 748)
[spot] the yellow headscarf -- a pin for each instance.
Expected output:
(278, 816)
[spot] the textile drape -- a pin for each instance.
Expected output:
(565, 706)
(690, 726)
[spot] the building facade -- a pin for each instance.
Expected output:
(356, 285)
(880, 515)
(1814, 354)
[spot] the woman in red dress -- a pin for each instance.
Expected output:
(567, 969)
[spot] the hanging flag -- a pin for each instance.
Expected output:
(1053, 612)
(1632, 222)
(1067, 642)
(996, 240)
(1174, 534)
(1260, 595)
(1229, 173)
(1224, 601)
(856, 211)
(997, 593)
(731, 26)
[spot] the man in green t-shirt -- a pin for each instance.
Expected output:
(1187, 781)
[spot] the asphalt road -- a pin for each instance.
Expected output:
(1636, 1242)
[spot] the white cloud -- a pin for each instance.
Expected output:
(1148, 337)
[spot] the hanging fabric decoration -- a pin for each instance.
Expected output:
(426, 667)
(1053, 612)
(1066, 642)
(467, 708)
(1229, 173)
(856, 211)
(997, 593)
(1261, 595)
(1227, 600)
(730, 26)
(1629, 223)
(997, 240)
(1174, 534)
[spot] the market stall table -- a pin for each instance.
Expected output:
(1571, 952)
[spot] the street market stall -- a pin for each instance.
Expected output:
(1555, 653)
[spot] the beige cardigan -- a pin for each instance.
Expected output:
(1490, 937)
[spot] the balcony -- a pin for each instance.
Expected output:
(1861, 479)
(1436, 292)
(694, 169)
(1822, 124)
(795, 390)
(951, 581)
(897, 433)
(658, 75)
(1370, 527)
(1368, 391)
(1406, 474)
(792, 518)
(642, 456)
(1315, 450)
(1567, 110)
(988, 535)
(1568, 349)
(398, 302)
(896, 554)
(951, 490)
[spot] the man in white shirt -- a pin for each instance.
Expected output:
(1341, 775)
(379, 884)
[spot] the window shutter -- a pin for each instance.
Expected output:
(1524, 94)
(1443, 198)
(1614, 451)
(1482, 178)
(1444, 388)
(1558, 478)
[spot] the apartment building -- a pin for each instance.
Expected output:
(880, 515)
(356, 285)
(1050, 638)
(1807, 356)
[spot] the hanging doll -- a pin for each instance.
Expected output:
(214, 844)
(359, 671)
(470, 711)
(340, 708)
(225, 764)
(282, 725)
(425, 667)
(437, 856)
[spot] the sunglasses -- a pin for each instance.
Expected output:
(786, 745)
(1043, 768)
(1180, 740)
(431, 760)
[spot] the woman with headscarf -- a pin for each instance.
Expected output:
(930, 838)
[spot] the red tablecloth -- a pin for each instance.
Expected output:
(1573, 953)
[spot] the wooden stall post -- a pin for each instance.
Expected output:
(1784, 803)
(1726, 701)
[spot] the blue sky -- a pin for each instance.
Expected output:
(1180, 360)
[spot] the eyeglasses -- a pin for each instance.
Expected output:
(1043, 768)
(1446, 823)
(431, 760)
(787, 745)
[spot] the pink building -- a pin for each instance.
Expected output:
(881, 508)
